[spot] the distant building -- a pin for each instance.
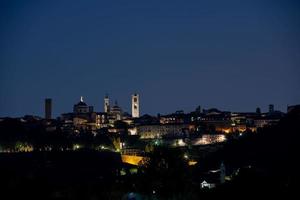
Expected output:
(258, 111)
(213, 178)
(216, 120)
(106, 104)
(83, 117)
(198, 110)
(81, 107)
(293, 109)
(160, 130)
(209, 139)
(176, 118)
(207, 185)
(271, 108)
(48, 108)
(116, 113)
(268, 119)
(146, 120)
(135, 106)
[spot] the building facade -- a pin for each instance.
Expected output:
(160, 130)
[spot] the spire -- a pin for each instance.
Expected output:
(81, 99)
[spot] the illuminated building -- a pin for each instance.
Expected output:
(213, 178)
(48, 108)
(101, 120)
(135, 106)
(83, 117)
(81, 107)
(265, 121)
(210, 139)
(205, 184)
(270, 118)
(176, 118)
(116, 113)
(160, 130)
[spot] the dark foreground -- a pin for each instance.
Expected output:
(267, 163)
(59, 175)
(96, 175)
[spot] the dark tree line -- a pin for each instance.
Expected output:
(13, 132)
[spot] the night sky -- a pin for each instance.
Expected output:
(233, 55)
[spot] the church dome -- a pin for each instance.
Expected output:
(81, 102)
(116, 108)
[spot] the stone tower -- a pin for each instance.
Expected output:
(106, 104)
(135, 106)
(48, 108)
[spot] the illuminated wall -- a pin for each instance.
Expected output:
(133, 160)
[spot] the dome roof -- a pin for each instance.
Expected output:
(116, 108)
(81, 102)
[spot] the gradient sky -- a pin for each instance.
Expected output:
(233, 55)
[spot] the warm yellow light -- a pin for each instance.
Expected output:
(226, 130)
(192, 162)
(133, 160)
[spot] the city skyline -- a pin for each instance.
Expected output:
(177, 55)
(127, 106)
(108, 103)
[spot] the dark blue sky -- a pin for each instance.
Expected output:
(233, 55)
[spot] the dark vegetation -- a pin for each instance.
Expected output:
(267, 163)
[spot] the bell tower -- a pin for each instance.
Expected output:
(135, 105)
(106, 104)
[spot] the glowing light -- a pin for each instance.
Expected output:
(132, 131)
(227, 130)
(179, 143)
(192, 162)
(122, 172)
(133, 160)
(76, 146)
(186, 156)
(23, 147)
(210, 139)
